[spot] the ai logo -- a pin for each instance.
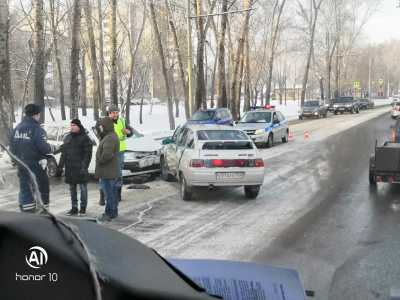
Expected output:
(37, 257)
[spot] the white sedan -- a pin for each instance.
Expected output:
(142, 155)
(212, 155)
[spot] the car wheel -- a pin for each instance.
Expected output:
(286, 137)
(358, 110)
(185, 189)
(335, 112)
(300, 118)
(251, 191)
(372, 179)
(165, 175)
(270, 141)
(353, 110)
(51, 167)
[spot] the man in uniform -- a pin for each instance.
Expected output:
(28, 143)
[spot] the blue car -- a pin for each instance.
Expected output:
(219, 116)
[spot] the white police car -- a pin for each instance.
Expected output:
(265, 126)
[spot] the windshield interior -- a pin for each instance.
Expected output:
(311, 103)
(257, 117)
(203, 115)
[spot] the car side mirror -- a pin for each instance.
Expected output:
(168, 141)
(276, 122)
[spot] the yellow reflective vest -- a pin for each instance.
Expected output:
(119, 130)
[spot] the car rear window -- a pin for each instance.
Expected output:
(203, 115)
(221, 135)
(228, 145)
(311, 103)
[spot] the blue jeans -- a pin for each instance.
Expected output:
(74, 194)
(25, 197)
(121, 159)
(109, 188)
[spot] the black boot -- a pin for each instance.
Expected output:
(119, 194)
(102, 202)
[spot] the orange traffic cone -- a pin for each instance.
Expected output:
(290, 137)
(306, 135)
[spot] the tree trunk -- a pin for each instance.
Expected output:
(221, 83)
(96, 96)
(83, 85)
(133, 58)
(114, 75)
(321, 87)
(163, 65)
(102, 95)
(26, 85)
(310, 51)
(57, 58)
(5, 76)
(199, 96)
(39, 56)
(75, 50)
(235, 94)
(247, 94)
(179, 59)
(273, 46)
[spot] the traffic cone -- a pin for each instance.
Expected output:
(290, 137)
(306, 135)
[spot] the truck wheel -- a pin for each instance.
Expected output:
(165, 175)
(51, 167)
(185, 189)
(251, 191)
(270, 141)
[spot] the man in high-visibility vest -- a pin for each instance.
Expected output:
(123, 131)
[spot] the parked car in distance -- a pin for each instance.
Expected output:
(345, 104)
(366, 103)
(211, 156)
(265, 126)
(217, 116)
(313, 109)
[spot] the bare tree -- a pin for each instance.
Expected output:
(313, 16)
(39, 56)
(275, 27)
(96, 96)
(83, 97)
(54, 32)
(221, 82)
(179, 58)
(163, 64)
(114, 75)
(75, 50)
(5, 76)
(235, 91)
(101, 55)
(133, 47)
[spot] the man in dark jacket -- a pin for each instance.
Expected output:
(28, 143)
(107, 166)
(76, 156)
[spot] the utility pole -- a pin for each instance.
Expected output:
(190, 59)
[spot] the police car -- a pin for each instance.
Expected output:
(265, 126)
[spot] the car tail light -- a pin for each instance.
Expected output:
(197, 163)
(218, 163)
(240, 163)
(259, 163)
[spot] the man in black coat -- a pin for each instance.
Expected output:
(76, 156)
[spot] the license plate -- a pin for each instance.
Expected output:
(229, 175)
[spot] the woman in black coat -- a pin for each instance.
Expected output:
(76, 155)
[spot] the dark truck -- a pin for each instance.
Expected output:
(345, 104)
(384, 164)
